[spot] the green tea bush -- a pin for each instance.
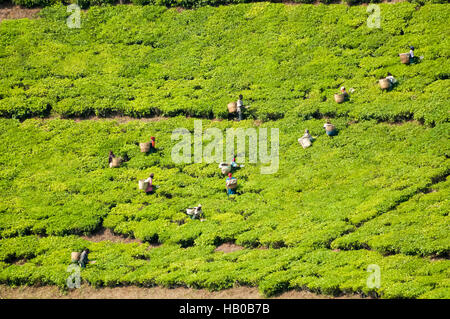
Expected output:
(154, 61)
(76, 182)
(35, 3)
(374, 194)
(182, 3)
(421, 220)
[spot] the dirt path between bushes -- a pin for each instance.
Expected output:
(131, 292)
(9, 11)
(105, 234)
(119, 118)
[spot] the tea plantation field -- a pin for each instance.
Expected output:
(145, 61)
(375, 194)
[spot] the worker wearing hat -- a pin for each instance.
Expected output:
(230, 191)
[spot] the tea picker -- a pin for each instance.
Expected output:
(195, 212)
(388, 82)
(152, 144)
(111, 156)
(149, 181)
(84, 258)
(330, 128)
(407, 58)
(236, 107)
(391, 79)
(341, 97)
(147, 184)
(113, 160)
(234, 164)
(411, 53)
(148, 146)
(81, 258)
(306, 140)
(231, 183)
(239, 105)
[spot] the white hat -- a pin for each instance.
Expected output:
(199, 205)
(342, 88)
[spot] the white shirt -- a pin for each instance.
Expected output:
(149, 180)
(411, 53)
(197, 213)
(239, 103)
(391, 79)
(307, 135)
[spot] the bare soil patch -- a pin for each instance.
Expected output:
(257, 122)
(399, 123)
(316, 3)
(19, 262)
(180, 9)
(439, 258)
(9, 11)
(130, 292)
(120, 119)
(106, 234)
(228, 247)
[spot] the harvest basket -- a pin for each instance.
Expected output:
(232, 107)
(225, 168)
(145, 147)
(232, 183)
(143, 184)
(75, 256)
(194, 213)
(339, 98)
(116, 162)
(404, 58)
(304, 142)
(384, 84)
(329, 128)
